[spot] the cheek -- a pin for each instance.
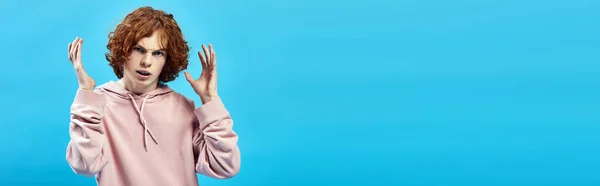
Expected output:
(158, 66)
(130, 65)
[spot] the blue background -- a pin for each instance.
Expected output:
(376, 92)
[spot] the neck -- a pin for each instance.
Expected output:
(136, 88)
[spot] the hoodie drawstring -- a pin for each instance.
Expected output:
(140, 112)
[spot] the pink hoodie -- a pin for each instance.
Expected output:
(158, 138)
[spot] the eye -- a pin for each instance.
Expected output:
(139, 49)
(158, 53)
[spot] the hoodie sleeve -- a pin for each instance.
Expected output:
(215, 142)
(85, 150)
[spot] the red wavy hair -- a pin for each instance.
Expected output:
(141, 23)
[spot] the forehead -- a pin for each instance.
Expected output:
(154, 42)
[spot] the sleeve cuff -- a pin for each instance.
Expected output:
(211, 112)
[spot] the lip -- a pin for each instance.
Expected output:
(143, 76)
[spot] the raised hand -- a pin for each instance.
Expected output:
(206, 85)
(85, 81)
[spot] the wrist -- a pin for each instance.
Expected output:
(85, 88)
(207, 98)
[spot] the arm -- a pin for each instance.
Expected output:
(215, 142)
(85, 153)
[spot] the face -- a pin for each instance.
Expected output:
(145, 64)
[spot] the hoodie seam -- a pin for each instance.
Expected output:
(120, 96)
(128, 100)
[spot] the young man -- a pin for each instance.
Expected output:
(138, 131)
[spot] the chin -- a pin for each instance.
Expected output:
(146, 82)
(137, 82)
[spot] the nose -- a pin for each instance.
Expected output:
(146, 60)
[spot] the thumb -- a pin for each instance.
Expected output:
(188, 77)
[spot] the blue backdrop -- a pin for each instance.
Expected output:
(377, 92)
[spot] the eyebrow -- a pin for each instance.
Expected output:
(160, 49)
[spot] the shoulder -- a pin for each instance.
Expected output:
(183, 100)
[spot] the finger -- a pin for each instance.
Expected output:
(79, 49)
(213, 70)
(207, 54)
(212, 59)
(72, 49)
(214, 62)
(69, 51)
(188, 77)
(74, 45)
(75, 51)
(202, 60)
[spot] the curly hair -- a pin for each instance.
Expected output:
(141, 23)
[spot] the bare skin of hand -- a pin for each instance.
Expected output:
(206, 85)
(85, 81)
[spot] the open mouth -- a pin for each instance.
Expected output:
(143, 72)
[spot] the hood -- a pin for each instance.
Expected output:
(117, 91)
